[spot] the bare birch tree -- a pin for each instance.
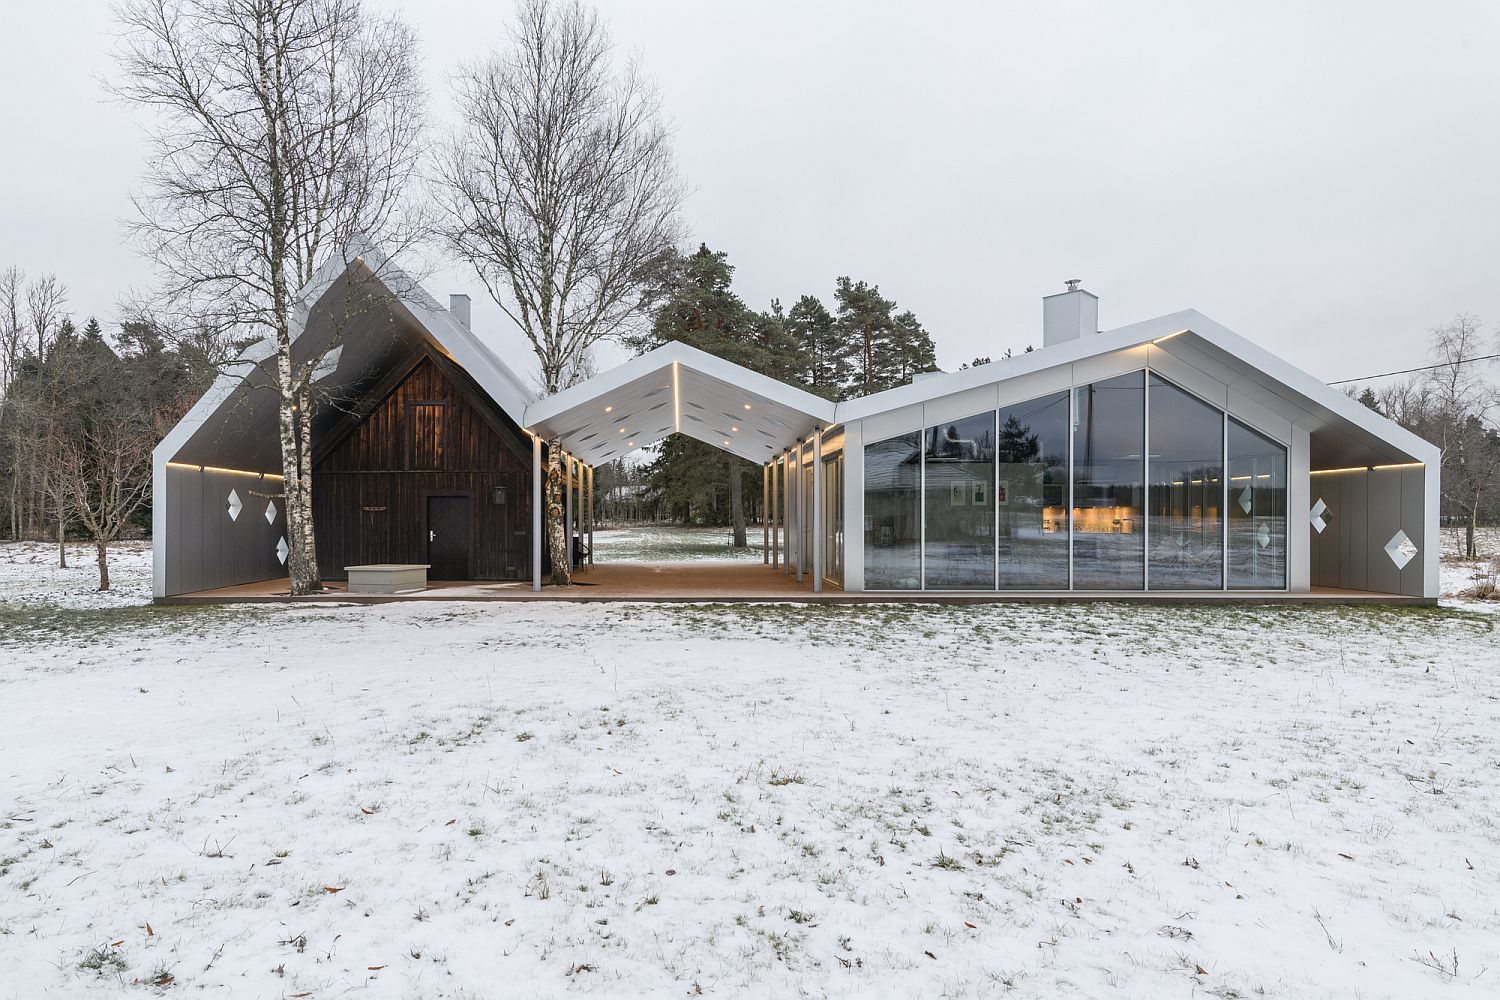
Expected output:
(561, 192)
(286, 130)
(12, 323)
(1462, 405)
(46, 298)
(12, 333)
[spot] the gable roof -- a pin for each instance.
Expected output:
(1344, 426)
(677, 388)
(368, 315)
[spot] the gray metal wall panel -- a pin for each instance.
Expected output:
(190, 535)
(1413, 522)
(1384, 504)
(171, 539)
(1356, 501)
(205, 550)
(1368, 508)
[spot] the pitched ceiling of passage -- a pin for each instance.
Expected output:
(676, 388)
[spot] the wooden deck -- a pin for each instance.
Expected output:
(748, 582)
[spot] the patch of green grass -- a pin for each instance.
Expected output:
(46, 624)
(103, 961)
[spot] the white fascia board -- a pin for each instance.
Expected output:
(1186, 322)
(936, 386)
(218, 393)
(1313, 389)
(661, 359)
(471, 353)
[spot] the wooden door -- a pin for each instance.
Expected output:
(449, 536)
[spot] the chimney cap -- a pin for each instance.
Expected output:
(1073, 284)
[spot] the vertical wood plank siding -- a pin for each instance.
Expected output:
(369, 503)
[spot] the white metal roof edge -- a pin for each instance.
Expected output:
(662, 358)
(471, 353)
(1187, 321)
(1312, 388)
(492, 374)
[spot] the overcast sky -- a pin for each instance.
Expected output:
(1320, 177)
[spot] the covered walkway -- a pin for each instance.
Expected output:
(677, 389)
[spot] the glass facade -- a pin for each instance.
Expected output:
(1184, 526)
(1071, 488)
(893, 513)
(1031, 494)
(959, 513)
(1109, 446)
(1257, 510)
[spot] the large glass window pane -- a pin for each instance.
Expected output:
(1031, 458)
(960, 492)
(1109, 426)
(1257, 510)
(893, 477)
(1184, 503)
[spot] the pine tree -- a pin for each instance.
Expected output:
(864, 324)
(826, 358)
(910, 350)
(699, 308)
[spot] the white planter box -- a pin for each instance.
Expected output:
(387, 578)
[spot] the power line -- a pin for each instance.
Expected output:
(1408, 371)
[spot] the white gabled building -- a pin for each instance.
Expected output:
(1169, 456)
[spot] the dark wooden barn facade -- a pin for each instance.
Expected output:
(426, 470)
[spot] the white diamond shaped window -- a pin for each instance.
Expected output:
(233, 506)
(271, 512)
(1263, 536)
(1401, 549)
(1315, 516)
(1247, 497)
(328, 364)
(282, 551)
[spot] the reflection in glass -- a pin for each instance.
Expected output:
(1109, 420)
(1031, 456)
(1185, 528)
(960, 513)
(1257, 510)
(893, 472)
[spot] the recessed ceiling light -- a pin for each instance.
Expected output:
(726, 444)
(734, 430)
(622, 430)
(747, 406)
(609, 409)
(630, 444)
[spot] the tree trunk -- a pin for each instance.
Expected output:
(736, 502)
(557, 534)
(62, 548)
(314, 574)
(103, 559)
(1469, 549)
(869, 353)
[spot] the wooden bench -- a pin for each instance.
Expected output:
(387, 578)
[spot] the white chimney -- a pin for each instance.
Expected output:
(1069, 315)
(458, 305)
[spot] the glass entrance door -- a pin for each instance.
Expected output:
(833, 520)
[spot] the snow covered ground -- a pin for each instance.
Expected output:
(471, 800)
(656, 544)
(1458, 575)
